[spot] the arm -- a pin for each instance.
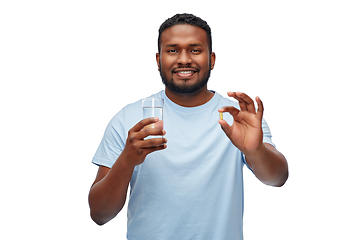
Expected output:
(269, 165)
(107, 195)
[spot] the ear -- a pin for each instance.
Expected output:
(212, 59)
(158, 60)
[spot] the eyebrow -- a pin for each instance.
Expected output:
(171, 45)
(191, 45)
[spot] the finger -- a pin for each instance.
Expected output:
(154, 148)
(260, 111)
(147, 131)
(236, 113)
(150, 143)
(242, 104)
(230, 109)
(231, 94)
(250, 105)
(144, 122)
(234, 95)
(245, 102)
(153, 142)
(225, 127)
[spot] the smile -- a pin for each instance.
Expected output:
(185, 73)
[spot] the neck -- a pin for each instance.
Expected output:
(197, 98)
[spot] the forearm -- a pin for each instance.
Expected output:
(269, 165)
(107, 196)
(108, 193)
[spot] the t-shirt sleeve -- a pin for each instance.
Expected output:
(266, 133)
(112, 143)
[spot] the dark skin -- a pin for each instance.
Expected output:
(186, 45)
(108, 193)
(268, 164)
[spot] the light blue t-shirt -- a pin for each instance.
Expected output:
(194, 188)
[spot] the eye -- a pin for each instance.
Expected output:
(196, 51)
(171, 51)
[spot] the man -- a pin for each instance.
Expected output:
(187, 184)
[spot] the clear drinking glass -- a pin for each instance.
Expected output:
(154, 107)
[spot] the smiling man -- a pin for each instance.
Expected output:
(185, 59)
(189, 183)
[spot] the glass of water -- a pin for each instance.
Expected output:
(154, 107)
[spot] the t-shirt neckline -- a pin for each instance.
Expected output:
(179, 108)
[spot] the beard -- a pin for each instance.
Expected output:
(185, 88)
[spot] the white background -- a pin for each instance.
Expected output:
(67, 67)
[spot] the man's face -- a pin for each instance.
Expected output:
(184, 60)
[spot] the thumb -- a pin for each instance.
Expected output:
(225, 127)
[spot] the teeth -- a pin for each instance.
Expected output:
(185, 72)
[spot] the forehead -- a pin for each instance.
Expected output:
(183, 34)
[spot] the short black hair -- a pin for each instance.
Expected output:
(186, 18)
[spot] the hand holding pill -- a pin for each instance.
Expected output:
(246, 131)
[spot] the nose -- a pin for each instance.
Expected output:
(184, 57)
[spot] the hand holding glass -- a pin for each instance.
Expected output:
(153, 107)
